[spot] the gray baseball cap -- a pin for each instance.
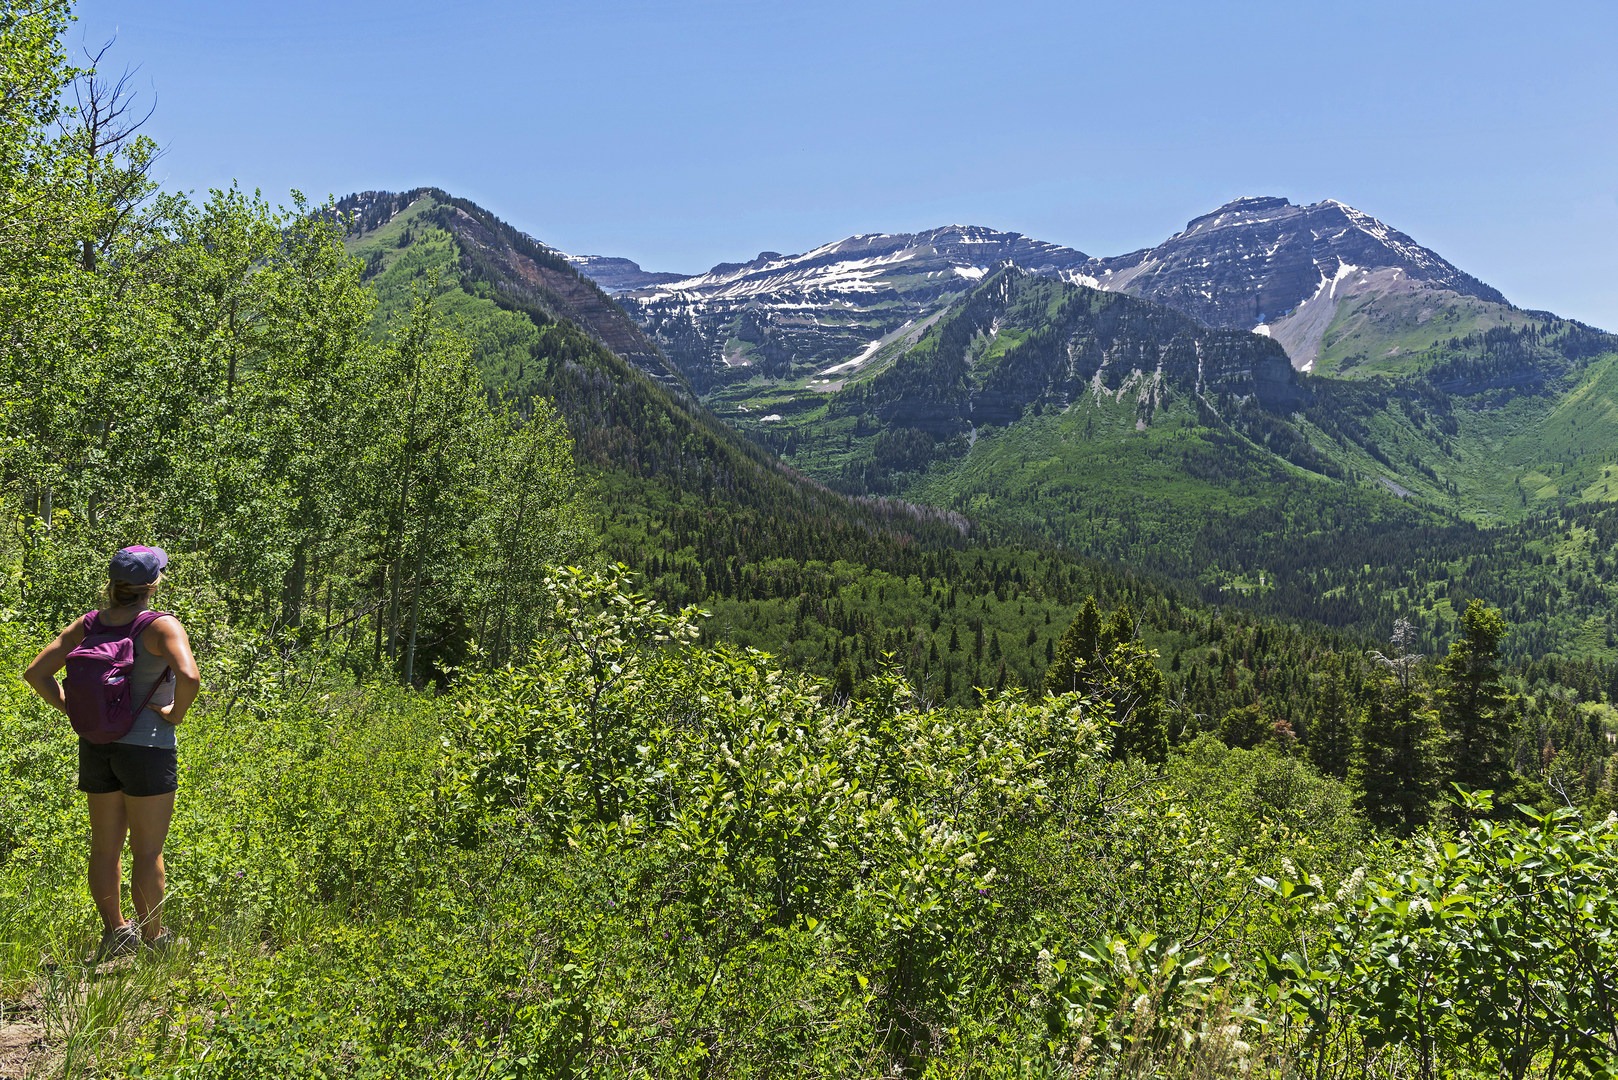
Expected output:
(138, 565)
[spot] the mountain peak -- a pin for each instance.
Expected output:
(1259, 261)
(524, 271)
(1241, 207)
(874, 262)
(1257, 202)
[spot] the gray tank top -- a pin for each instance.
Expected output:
(150, 729)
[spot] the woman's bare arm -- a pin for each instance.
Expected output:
(41, 674)
(167, 639)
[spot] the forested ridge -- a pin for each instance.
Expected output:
(1053, 414)
(813, 785)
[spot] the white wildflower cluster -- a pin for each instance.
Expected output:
(1352, 886)
(1044, 969)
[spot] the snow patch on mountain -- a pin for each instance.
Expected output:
(816, 313)
(1343, 271)
(854, 362)
(869, 262)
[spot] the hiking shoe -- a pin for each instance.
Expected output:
(162, 943)
(119, 941)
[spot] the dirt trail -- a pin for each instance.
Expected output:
(22, 1037)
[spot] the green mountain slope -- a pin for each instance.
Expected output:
(1017, 346)
(675, 482)
(1389, 329)
(1580, 434)
(1032, 400)
(495, 260)
(1495, 427)
(1052, 413)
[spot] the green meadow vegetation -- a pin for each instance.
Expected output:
(634, 854)
(466, 797)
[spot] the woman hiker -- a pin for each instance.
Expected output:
(130, 780)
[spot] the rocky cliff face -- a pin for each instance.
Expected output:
(1264, 264)
(795, 315)
(620, 275)
(1021, 341)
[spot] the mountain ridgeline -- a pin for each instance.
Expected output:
(786, 316)
(685, 497)
(1348, 295)
(498, 259)
(1342, 291)
(981, 373)
(1255, 253)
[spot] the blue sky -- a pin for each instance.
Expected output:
(685, 134)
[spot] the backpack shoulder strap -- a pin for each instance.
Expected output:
(137, 628)
(141, 621)
(90, 626)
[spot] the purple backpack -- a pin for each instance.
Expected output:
(97, 684)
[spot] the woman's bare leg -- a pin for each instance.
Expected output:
(149, 818)
(108, 825)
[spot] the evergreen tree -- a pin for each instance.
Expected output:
(1331, 733)
(1130, 682)
(1121, 626)
(1473, 701)
(1396, 769)
(1075, 650)
(1107, 663)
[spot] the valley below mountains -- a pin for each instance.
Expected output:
(1298, 409)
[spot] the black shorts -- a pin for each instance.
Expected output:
(133, 770)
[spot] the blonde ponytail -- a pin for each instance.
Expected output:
(125, 594)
